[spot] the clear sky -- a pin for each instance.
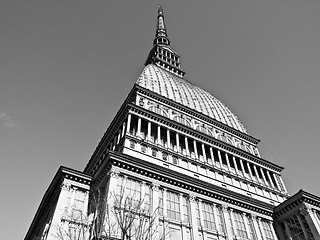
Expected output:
(67, 66)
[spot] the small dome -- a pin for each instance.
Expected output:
(181, 91)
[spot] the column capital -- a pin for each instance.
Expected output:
(114, 173)
(155, 186)
(65, 186)
(224, 208)
(305, 209)
(192, 198)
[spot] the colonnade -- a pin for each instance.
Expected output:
(191, 148)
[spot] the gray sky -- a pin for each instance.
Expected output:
(67, 66)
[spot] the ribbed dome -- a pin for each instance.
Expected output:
(180, 90)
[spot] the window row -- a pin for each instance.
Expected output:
(181, 208)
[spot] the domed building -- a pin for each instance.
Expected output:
(190, 159)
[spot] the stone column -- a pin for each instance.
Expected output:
(256, 227)
(242, 168)
(123, 129)
(139, 127)
(312, 220)
(168, 139)
(228, 163)
(129, 122)
(193, 213)
(250, 173)
(235, 164)
(178, 142)
(187, 146)
(149, 131)
(268, 174)
(158, 134)
(264, 177)
(112, 185)
(164, 202)
(256, 172)
(204, 153)
(212, 156)
(195, 149)
(155, 208)
(227, 222)
(220, 160)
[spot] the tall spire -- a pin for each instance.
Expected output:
(162, 54)
(161, 33)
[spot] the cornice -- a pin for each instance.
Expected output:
(109, 133)
(204, 137)
(296, 201)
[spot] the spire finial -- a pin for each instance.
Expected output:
(161, 33)
(162, 54)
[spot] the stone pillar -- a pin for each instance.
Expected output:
(149, 131)
(129, 122)
(228, 163)
(312, 220)
(194, 223)
(187, 146)
(212, 156)
(256, 172)
(235, 164)
(268, 174)
(264, 177)
(139, 127)
(178, 142)
(158, 134)
(112, 185)
(123, 129)
(220, 160)
(250, 173)
(242, 168)
(164, 202)
(204, 153)
(256, 227)
(227, 222)
(195, 149)
(86, 203)
(168, 139)
(155, 208)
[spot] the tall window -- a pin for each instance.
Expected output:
(267, 230)
(186, 209)
(240, 225)
(208, 216)
(173, 205)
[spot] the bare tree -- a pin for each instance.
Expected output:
(118, 216)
